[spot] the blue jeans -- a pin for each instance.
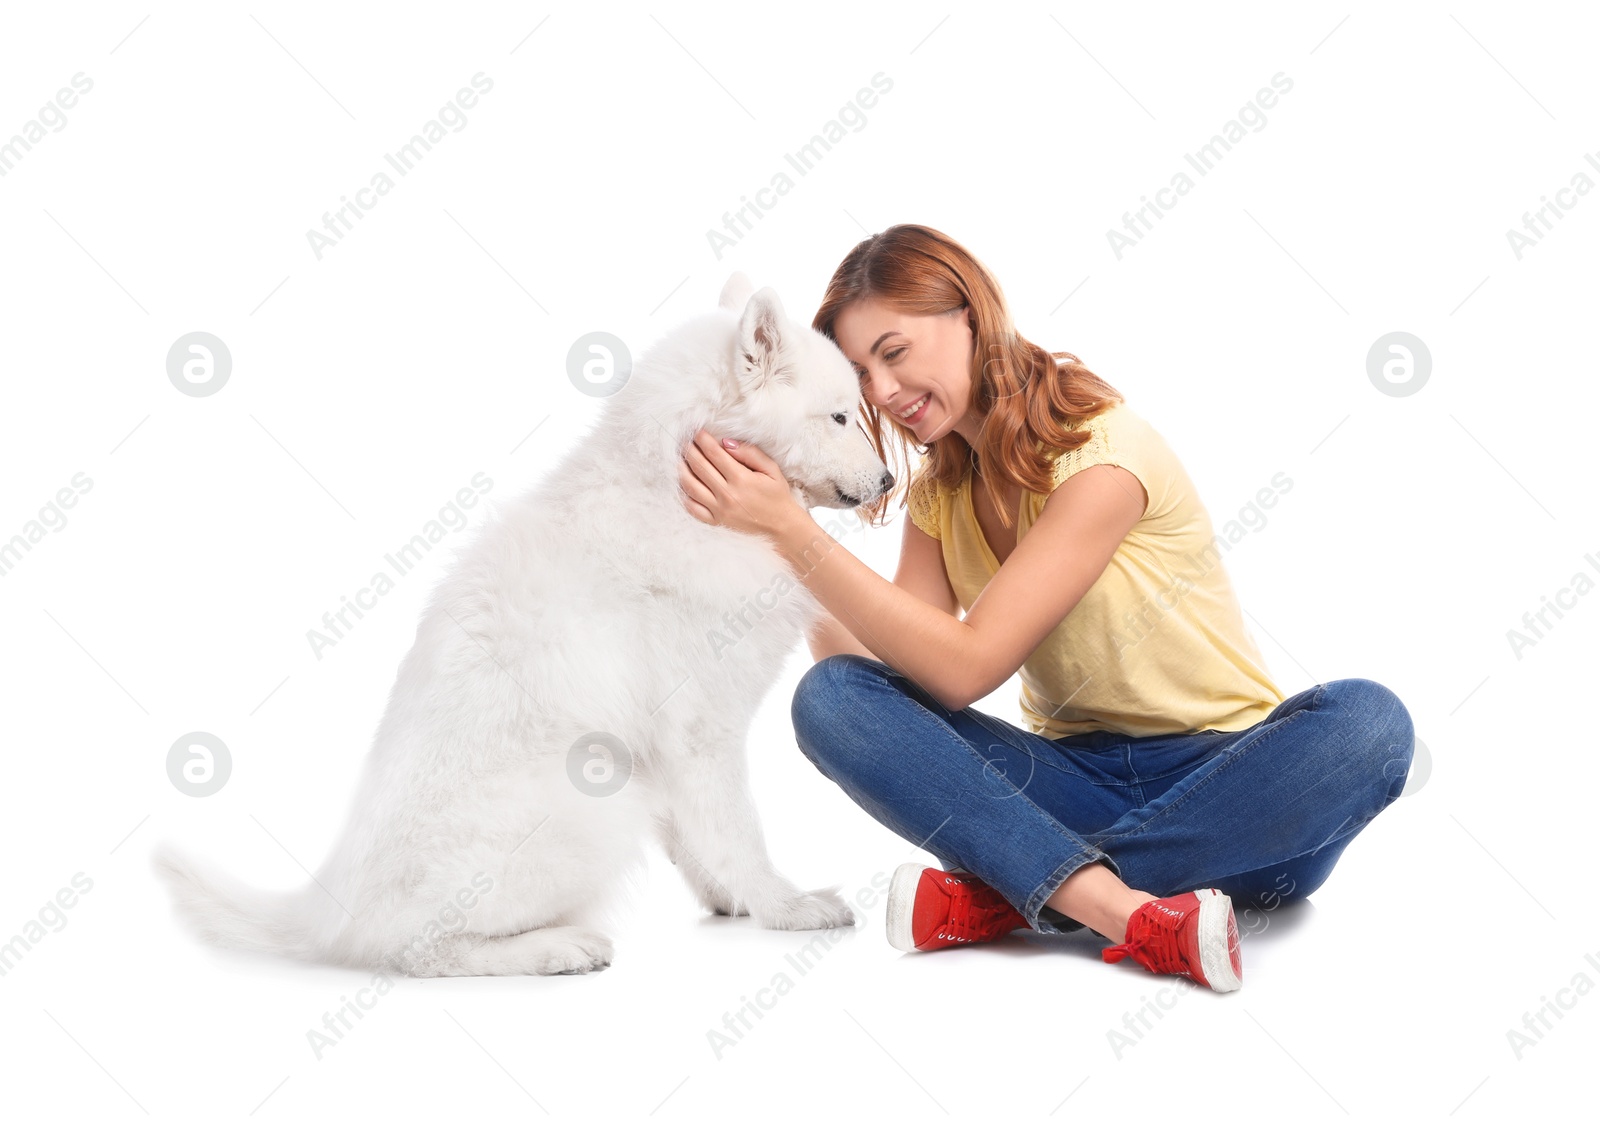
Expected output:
(1262, 814)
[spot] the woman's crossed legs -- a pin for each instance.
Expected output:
(1082, 830)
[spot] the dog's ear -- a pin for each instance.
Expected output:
(761, 361)
(736, 291)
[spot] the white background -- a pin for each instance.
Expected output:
(370, 385)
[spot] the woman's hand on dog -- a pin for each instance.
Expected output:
(739, 487)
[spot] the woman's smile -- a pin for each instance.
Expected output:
(918, 411)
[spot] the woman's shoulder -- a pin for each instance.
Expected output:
(1105, 430)
(1117, 429)
(1120, 436)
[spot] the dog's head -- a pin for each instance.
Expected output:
(798, 400)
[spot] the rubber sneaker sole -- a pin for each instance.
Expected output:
(1218, 937)
(902, 899)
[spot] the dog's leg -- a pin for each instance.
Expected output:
(711, 894)
(715, 833)
(553, 949)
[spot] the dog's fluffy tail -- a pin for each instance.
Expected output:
(228, 913)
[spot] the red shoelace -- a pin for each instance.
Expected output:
(975, 910)
(1154, 944)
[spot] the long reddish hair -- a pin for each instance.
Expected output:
(1025, 395)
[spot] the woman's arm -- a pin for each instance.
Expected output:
(920, 572)
(958, 661)
(830, 637)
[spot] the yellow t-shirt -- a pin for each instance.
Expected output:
(1158, 645)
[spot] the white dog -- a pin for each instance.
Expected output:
(592, 623)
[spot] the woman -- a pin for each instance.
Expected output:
(1161, 774)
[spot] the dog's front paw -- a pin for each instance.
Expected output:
(808, 910)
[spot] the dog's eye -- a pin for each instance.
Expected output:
(841, 419)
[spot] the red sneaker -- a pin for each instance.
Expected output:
(1193, 935)
(930, 909)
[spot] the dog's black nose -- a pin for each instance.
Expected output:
(886, 483)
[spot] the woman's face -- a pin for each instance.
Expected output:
(903, 359)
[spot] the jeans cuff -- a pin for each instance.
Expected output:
(1035, 904)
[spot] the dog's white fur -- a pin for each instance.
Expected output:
(593, 603)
